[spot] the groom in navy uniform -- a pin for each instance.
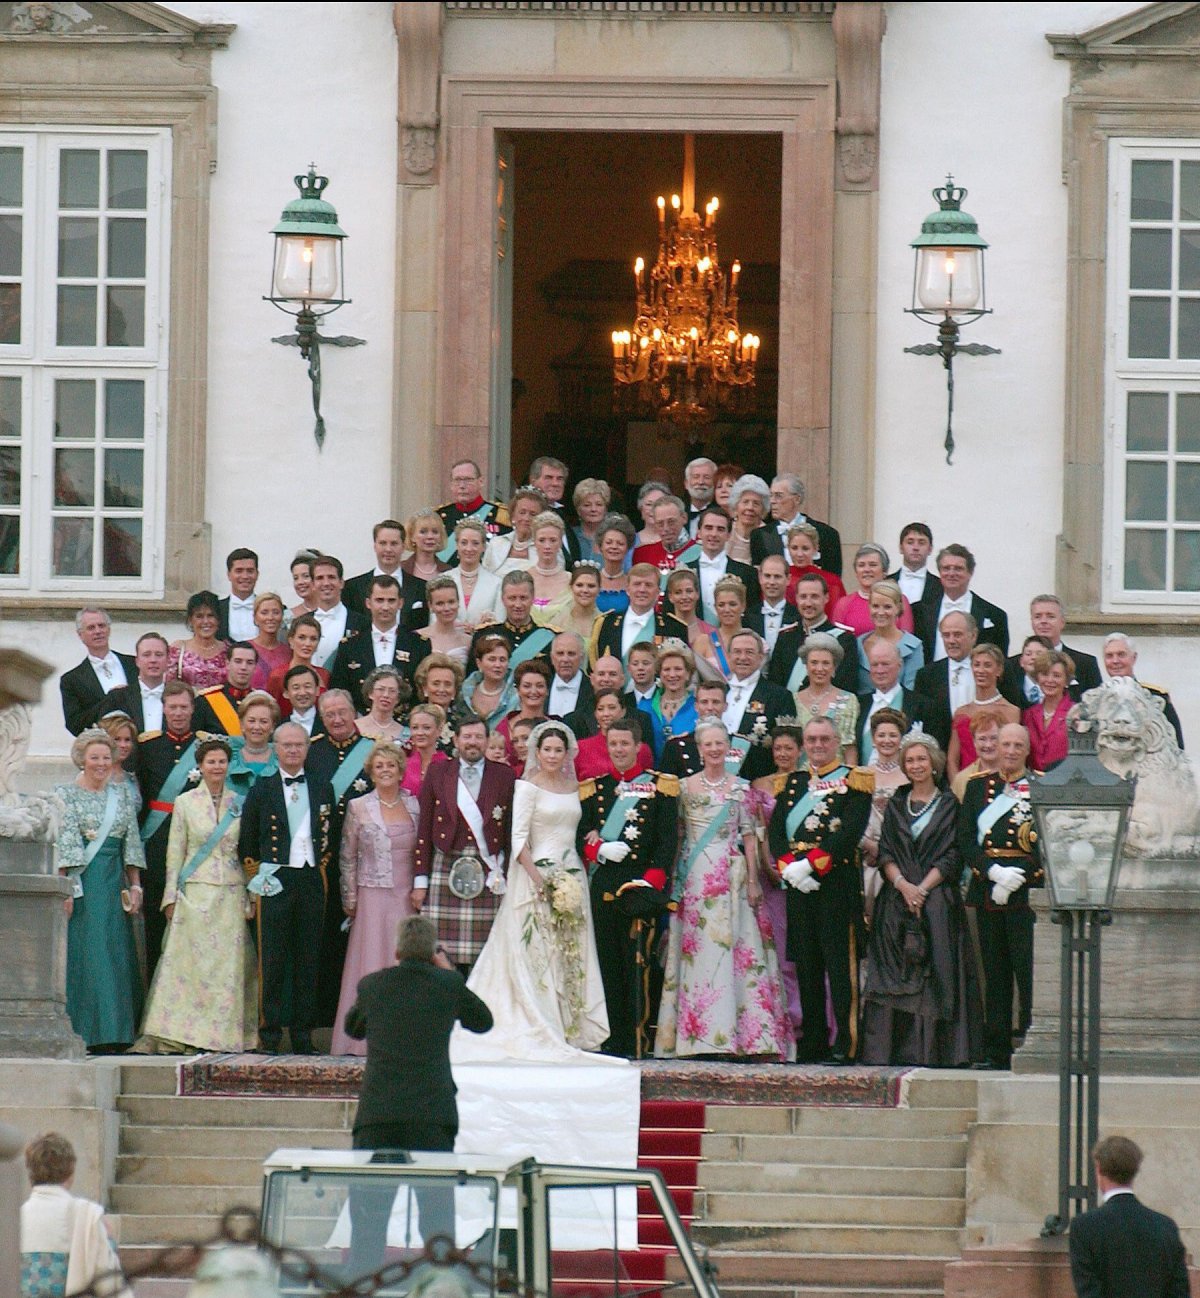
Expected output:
(285, 845)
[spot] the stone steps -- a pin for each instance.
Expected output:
(302, 1115)
(227, 1142)
(838, 1151)
(810, 1178)
(781, 1209)
(846, 1237)
(790, 1125)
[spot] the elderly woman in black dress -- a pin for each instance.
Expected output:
(920, 998)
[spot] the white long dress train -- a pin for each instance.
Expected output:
(544, 991)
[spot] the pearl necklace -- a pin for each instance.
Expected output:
(383, 802)
(885, 767)
(994, 699)
(713, 785)
(547, 572)
(912, 811)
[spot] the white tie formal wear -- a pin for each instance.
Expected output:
(738, 700)
(383, 643)
(332, 622)
(711, 572)
(109, 671)
(912, 584)
(634, 622)
(305, 719)
(962, 684)
(564, 695)
(772, 623)
(960, 605)
(241, 618)
(152, 718)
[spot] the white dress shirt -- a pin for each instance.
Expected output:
(882, 699)
(383, 645)
(305, 719)
(152, 718)
(962, 684)
(739, 697)
(1112, 1194)
(241, 618)
(633, 624)
(333, 626)
(302, 853)
(642, 696)
(564, 695)
(109, 671)
(772, 615)
(912, 584)
(960, 605)
(711, 572)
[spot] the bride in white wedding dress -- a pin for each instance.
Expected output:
(538, 971)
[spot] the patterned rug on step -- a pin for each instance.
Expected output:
(334, 1077)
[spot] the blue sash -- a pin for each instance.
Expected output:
(798, 674)
(722, 661)
(106, 826)
(351, 767)
(614, 822)
(644, 636)
(685, 867)
(682, 559)
(531, 646)
(999, 806)
(207, 847)
(171, 789)
(297, 806)
(450, 549)
(921, 822)
(812, 800)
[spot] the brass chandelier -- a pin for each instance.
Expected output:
(685, 358)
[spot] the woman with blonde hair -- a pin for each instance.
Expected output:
(427, 535)
(122, 730)
(871, 563)
(205, 994)
(379, 836)
(551, 584)
(591, 498)
(425, 725)
(444, 633)
(987, 667)
(439, 679)
(253, 755)
(672, 709)
(269, 613)
(885, 605)
(478, 589)
(729, 600)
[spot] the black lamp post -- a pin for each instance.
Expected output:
(949, 289)
(1081, 810)
(308, 271)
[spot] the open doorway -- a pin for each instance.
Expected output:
(584, 208)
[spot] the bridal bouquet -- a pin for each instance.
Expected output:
(563, 893)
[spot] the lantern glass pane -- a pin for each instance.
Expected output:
(306, 267)
(949, 279)
(1079, 851)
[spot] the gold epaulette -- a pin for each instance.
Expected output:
(502, 515)
(148, 734)
(586, 789)
(861, 780)
(210, 689)
(668, 784)
(779, 782)
(1154, 689)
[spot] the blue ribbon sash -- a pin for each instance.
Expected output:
(450, 549)
(205, 850)
(814, 796)
(702, 845)
(351, 767)
(531, 646)
(998, 807)
(106, 825)
(171, 789)
(614, 822)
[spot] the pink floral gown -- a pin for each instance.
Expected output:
(722, 993)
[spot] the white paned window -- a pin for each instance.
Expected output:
(84, 264)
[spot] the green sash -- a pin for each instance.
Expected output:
(614, 822)
(171, 789)
(450, 549)
(206, 848)
(531, 646)
(297, 805)
(351, 767)
(684, 869)
(811, 801)
(106, 826)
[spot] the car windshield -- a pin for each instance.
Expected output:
(352, 1223)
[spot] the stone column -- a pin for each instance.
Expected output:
(33, 920)
(12, 1186)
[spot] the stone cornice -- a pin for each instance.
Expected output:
(817, 10)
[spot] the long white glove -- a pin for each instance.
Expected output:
(1009, 877)
(613, 852)
(795, 872)
(809, 884)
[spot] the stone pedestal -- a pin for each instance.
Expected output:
(1038, 1268)
(1150, 976)
(12, 1192)
(33, 937)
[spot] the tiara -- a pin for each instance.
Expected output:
(589, 564)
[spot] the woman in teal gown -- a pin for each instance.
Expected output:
(100, 851)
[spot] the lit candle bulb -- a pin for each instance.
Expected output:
(638, 267)
(735, 271)
(675, 201)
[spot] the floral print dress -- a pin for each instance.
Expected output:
(722, 993)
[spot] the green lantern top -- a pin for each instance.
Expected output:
(949, 226)
(310, 214)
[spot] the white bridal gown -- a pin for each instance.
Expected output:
(547, 1001)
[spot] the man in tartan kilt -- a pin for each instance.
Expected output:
(466, 814)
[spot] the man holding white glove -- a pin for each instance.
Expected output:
(997, 841)
(820, 817)
(627, 834)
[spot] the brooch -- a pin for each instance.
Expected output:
(194, 773)
(359, 785)
(812, 822)
(631, 832)
(354, 667)
(835, 824)
(497, 814)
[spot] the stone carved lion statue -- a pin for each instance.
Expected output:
(24, 817)
(1133, 737)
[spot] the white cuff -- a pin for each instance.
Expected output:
(421, 881)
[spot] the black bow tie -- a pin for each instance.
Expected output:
(293, 779)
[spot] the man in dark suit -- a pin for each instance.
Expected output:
(386, 642)
(1122, 1247)
(917, 584)
(333, 617)
(85, 688)
(284, 844)
(141, 699)
(388, 538)
(883, 662)
(627, 833)
(787, 667)
(787, 496)
(570, 689)
(712, 563)
(217, 707)
(1047, 617)
(771, 612)
(616, 633)
(956, 567)
(407, 1101)
(1120, 659)
(518, 627)
(607, 674)
(753, 705)
(948, 683)
(166, 767)
(235, 611)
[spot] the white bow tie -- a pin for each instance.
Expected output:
(963, 603)
(155, 693)
(706, 562)
(325, 614)
(234, 602)
(881, 697)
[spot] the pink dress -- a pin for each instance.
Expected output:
(412, 772)
(854, 613)
(279, 655)
(200, 673)
(377, 878)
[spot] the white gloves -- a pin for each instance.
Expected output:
(1006, 879)
(799, 875)
(613, 852)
